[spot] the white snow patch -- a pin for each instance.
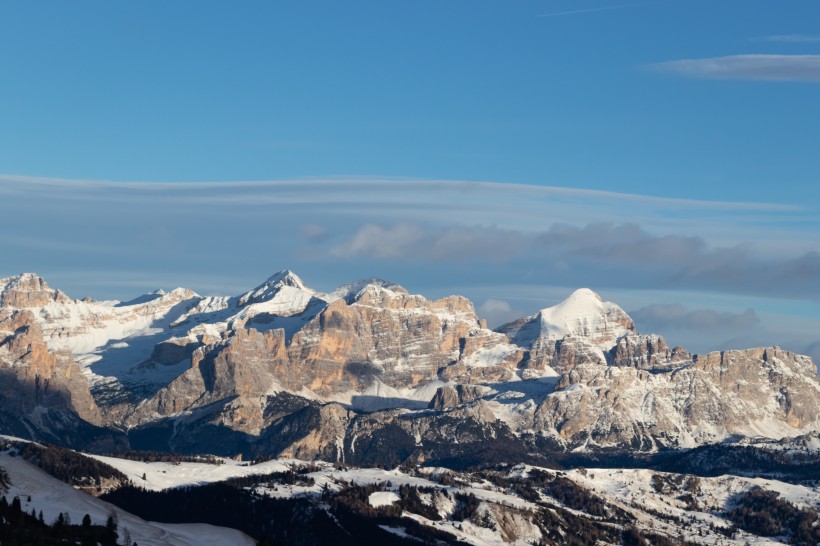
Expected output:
(400, 531)
(491, 356)
(160, 475)
(382, 498)
(380, 396)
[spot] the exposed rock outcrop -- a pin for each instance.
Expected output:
(28, 290)
(47, 379)
(457, 395)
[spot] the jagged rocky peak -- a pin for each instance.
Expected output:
(285, 280)
(648, 352)
(28, 290)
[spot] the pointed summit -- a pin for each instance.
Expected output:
(283, 288)
(285, 277)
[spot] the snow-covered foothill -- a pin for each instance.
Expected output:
(53, 497)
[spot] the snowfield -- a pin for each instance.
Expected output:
(52, 497)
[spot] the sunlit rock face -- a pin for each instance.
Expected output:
(756, 392)
(28, 290)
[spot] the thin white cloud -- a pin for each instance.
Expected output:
(314, 232)
(795, 68)
(793, 38)
(379, 242)
(497, 312)
(495, 306)
(333, 190)
(410, 241)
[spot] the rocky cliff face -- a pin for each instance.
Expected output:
(284, 369)
(239, 370)
(648, 352)
(43, 394)
(402, 340)
(41, 378)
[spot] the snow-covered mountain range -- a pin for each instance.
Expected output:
(370, 374)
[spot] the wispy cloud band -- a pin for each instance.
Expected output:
(805, 68)
(793, 38)
(335, 189)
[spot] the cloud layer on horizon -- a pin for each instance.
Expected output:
(621, 254)
(676, 316)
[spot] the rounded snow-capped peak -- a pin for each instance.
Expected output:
(585, 314)
(582, 298)
(585, 293)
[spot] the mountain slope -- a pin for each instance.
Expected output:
(296, 502)
(52, 497)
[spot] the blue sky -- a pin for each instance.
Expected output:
(663, 153)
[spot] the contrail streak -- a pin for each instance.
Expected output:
(604, 8)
